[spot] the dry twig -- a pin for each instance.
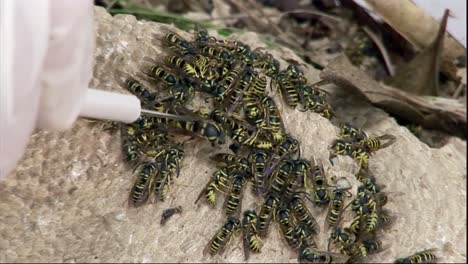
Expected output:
(382, 49)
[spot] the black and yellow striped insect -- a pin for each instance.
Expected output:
(361, 155)
(272, 121)
(280, 177)
(258, 160)
(231, 122)
(234, 47)
(197, 127)
(288, 146)
(143, 184)
(349, 243)
(311, 254)
(254, 112)
(287, 227)
(153, 150)
(250, 235)
(207, 130)
(208, 69)
(361, 150)
(286, 82)
(302, 171)
(216, 52)
(314, 99)
(194, 71)
(182, 64)
(372, 220)
(294, 73)
(265, 61)
(177, 43)
(336, 206)
(235, 194)
(235, 96)
(201, 35)
(303, 215)
(341, 147)
(217, 244)
(364, 202)
(181, 89)
(245, 54)
(225, 85)
(358, 224)
(373, 245)
(170, 164)
(219, 182)
(130, 151)
(232, 162)
(287, 90)
(243, 165)
(240, 131)
(303, 233)
(258, 87)
(368, 182)
(225, 159)
(160, 72)
(347, 131)
(386, 218)
(254, 140)
(130, 146)
(291, 187)
(320, 193)
(180, 95)
(376, 217)
(343, 237)
(266, 213)
(372, 144)
(135, 87)
(161, 186)
(238, 48)
(358, 151)
(355, 150)
(425, 256)
(152, 139)
(355, 251)
(360, 46)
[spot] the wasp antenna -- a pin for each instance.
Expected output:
(346, 206)
(307, 196)
(349, 194)
(149, 61)
(122, 78)
(138, 166)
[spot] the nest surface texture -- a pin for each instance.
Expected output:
(67, 200)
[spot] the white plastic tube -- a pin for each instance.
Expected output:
(100, 104)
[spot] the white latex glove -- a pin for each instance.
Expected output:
(46, 51)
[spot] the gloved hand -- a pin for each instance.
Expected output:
(46, 48)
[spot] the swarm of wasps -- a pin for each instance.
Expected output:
(234, 79)
(359, 239)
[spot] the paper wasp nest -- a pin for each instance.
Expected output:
(67, 201)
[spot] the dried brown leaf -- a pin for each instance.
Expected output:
(418, 28)
(430, 112)
(421, 74)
